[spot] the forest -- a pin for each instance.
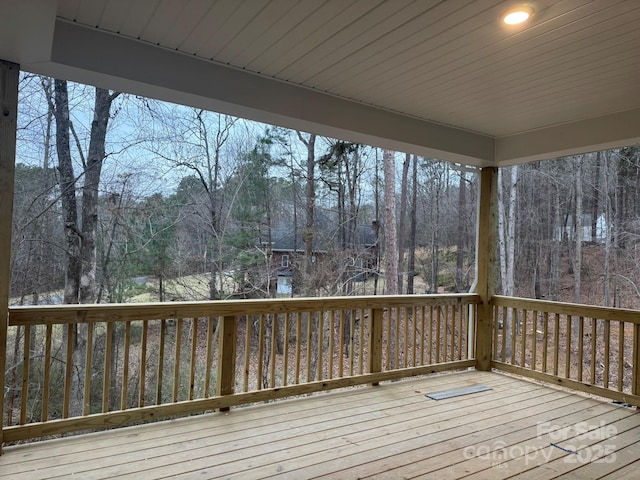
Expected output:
(126, 199)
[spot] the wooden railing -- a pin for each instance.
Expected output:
(592, 349)
(79, 367)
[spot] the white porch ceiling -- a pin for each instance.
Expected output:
(435, 77)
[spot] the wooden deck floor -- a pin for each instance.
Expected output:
(390, 431)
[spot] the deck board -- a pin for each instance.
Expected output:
(390, 431)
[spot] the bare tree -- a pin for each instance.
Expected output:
(577, 262)
(402, 237)
(506, 240)
(411, 269)
(390, 233)
(310, 206)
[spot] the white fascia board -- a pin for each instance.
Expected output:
(602, 133)
(27, 30)
(112, 61)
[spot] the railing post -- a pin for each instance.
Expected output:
(226, 357)
(9, 75)
(485, 262)
(375, 341)
(635, 387)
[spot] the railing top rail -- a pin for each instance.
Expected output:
(580, 310)
(36, 315)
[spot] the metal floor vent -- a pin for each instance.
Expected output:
(456, 392)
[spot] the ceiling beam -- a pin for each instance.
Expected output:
(112, 61)
(602, 133)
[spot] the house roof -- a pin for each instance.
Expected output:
(443, 79)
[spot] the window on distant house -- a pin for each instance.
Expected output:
(285, 261)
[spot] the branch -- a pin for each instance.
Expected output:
(78, 146)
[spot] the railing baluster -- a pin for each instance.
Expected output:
(445, 324)
(124, 392)
(416, 316)
(352, 327)
(194, 357)
(310, 327)
(88, 367)
(176, 360)
(260, 351)
(569, 327)
(545, 340)
(163, 334)
(504, 335)
(106, 386)
(331, 342)
(438, 331)
(211, 322)
(274, 347)
(423, 334)
(460, 311)
(405, 342)
(361, 342)
(494, 327)
(452, 323)
(375, 340)
(635, 375)
(143, 363)
(534, 340)
(607, 339)
(513, 331)
(556, 343)
(47, 373)
(594, 332)
(285, 359)
(580, 346)
(320, 344)
(523, 339)
(430, 336)
(388, 359)
(621, 336)
(68, 371)
(247, 351)
(395, 315)
(26, 354)
(298, 345)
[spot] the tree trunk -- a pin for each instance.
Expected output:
(412, 235)
(376, 277)
(557, 244)
(96, 156)
(67, 193)
(506, 242)
(310, 206)
(577, 263)
(402, 238)
(608, 238)
(462, 216)
(390, 234)
(595, 203)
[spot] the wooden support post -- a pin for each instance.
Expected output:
(226, 357)
(375, 341)
(9, 73)
(485, 262)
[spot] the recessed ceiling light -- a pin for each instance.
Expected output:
(517, 15)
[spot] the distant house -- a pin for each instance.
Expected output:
(601, 228)
(288, 248)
